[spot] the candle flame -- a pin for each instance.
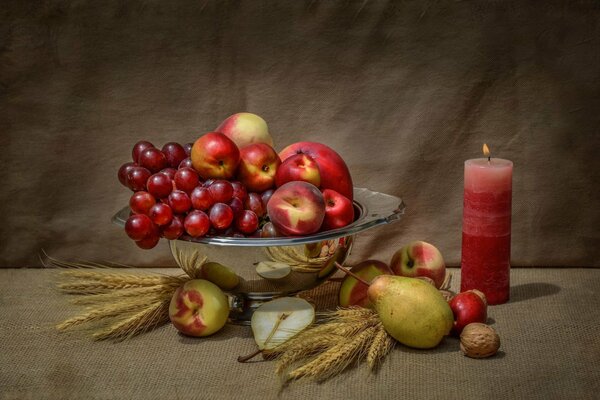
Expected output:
(486, 150)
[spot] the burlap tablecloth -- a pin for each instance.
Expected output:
(550, 350)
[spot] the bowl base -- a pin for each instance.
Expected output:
(242, 305)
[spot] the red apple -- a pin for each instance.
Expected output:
(215, 156)
(198, 308)
(297, 208)
(246, 128)
(258, 166)
(333, 170)
(299, 167)
(339, 210)
(467, 307)
(419, 259)
(353, 292)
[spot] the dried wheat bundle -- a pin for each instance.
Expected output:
(345, 337)
(117, 305)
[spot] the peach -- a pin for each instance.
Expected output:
(299, 167)
(198, 308)
(333, 169)
(419, 258)
(259, 163)
(353, 292)
(215, 156)
(297, 208)
(245, 128)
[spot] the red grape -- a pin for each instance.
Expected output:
(201, 198)
(239, 190)
(186, 179)
(268, 230)
(221, 216)
(221, 191)
(266, 196)
(188, 148)
(139, 226)
(179, 201)
(254, 203)
(246, 222)
(236, 205)
(153, 159)
(170, 172)
(175, 153)
(123, 170)
(196, 223)
(138, 148)
(159, 185)
(148, 242)
(174, 229)
(161, 214)
(141, 202)
(137, 178)
(186, 163)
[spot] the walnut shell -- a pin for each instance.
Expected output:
(479, 340)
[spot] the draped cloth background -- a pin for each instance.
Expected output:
(404, 91)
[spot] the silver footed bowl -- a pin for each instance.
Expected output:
(273, 267)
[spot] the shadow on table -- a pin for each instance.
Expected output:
(530, 291)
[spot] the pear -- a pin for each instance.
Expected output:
(412, 311)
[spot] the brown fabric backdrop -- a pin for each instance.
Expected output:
(404, 91)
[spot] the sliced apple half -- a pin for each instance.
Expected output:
(279, 320)
(273, 270)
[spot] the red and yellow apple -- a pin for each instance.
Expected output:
(353, 292)
(333, 170)
(258, 165)
(339, 210)
(246, 128)
(297, 208)
(198, 308)
(419, 258)
(215, 156)
(468, 307)
(299, 167)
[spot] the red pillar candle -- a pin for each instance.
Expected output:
(485, 263)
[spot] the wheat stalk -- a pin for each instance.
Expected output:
(335, 359)
(95, 314)
(153, 315)
(147, 292)
(381, 345)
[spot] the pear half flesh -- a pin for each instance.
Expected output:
(277, 321)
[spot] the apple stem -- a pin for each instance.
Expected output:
(250, 356)
(352, 274)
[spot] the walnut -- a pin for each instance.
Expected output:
(479, 340)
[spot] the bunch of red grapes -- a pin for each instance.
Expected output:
(170, 199)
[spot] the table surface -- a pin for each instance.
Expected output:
(550, 349)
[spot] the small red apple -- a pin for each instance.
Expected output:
(246, 128)
(468, 307)
(299, 167)
(258, 166)
(339, 210)
(419, 259)
(353, 292)
(198, 308)
(297, 208)
(334, 171)
(215, 156)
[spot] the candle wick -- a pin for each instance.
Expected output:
(489, 159)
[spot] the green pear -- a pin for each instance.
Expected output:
(412, 311)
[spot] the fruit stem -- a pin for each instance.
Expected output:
(250, 356)
(352, 274)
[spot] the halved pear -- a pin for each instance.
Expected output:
(277, 321)
(273, 270)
